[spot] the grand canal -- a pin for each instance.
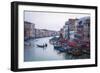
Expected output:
(34, 53)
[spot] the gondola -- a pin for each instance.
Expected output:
(42, 46)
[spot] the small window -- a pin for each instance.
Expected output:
(80, 22)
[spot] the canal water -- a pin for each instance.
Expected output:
(34, 53)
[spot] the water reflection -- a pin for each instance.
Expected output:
(34, 53)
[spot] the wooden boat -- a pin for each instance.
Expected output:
(62, 50)
(57, 46)
(42, 46)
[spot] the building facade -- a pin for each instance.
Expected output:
(83, 28)
(29, 30)
(74, 28)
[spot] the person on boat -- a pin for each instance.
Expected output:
(45, 45)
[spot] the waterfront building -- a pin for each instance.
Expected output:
(83, 30)
(39, 33)
(29, 30)
(67, 30)
(61, 33)
(70, 28)
(71, 23)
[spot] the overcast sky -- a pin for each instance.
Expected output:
(48, 20)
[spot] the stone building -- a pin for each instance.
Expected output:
(39, 33)
(71, 23)
(29, 30)
(84, 28)
(68, 28)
